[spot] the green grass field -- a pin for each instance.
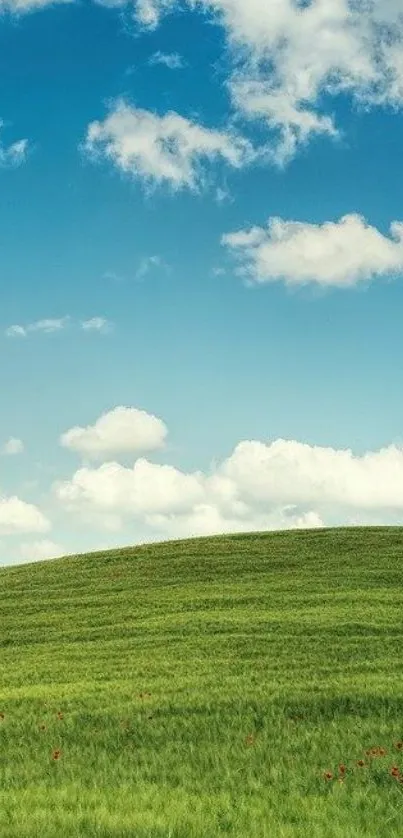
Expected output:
(203, 688)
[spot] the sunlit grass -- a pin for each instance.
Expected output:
(247, 686)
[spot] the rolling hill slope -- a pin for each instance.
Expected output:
(205, 687)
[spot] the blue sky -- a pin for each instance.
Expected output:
(146, 150)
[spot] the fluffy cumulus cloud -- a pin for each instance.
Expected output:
(262, 485)
(168, 501)
(17, 516)
(291, 56)
(121, 430)
(340, 253)
(166, 149)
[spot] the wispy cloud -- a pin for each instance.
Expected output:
(96, 324)
(112, 276)
(50, 326)
(222, 196)
(172, 60)
(148, 264)
(13, 155)
(16, 332)
(47, 326)
(12, 446)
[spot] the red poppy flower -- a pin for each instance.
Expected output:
(328, 775)
(342, 769)
(360, 763)
(395, 771)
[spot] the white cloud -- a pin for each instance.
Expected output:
(289, 54)
(32, 551)
(277, 485)
(52, 325)
(340, 253)
(16, 332)
(289, 472)
(121, 430)
(17, 516)
(149, 11)
(144, 489)
(47, 326)
(162, 149)
(20, 7)
(290, 57)
(148, 264)
(296, 124)
(14, 155)
(172, 60)
(96, 324)
(13, 446)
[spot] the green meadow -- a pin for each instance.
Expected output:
(247, 685)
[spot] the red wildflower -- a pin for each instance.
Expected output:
(395, 772)
(328, 775)
(342, 769)
(399, 746)
(360, 763)
(56, 755)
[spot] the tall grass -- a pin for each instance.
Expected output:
(204, 688)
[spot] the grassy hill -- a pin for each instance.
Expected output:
(202, 688)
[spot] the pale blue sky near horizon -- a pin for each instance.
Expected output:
(217, 361)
